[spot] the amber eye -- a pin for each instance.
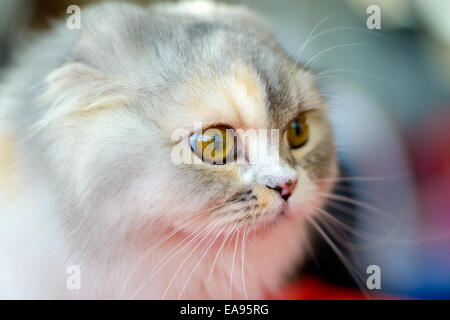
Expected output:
(213, 145)
(298, 132)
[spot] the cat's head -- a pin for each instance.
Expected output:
(142, 89)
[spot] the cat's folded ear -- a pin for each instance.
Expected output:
(76, 88)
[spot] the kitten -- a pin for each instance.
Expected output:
(87, 170)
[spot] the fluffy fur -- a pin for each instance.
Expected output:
(85, 157)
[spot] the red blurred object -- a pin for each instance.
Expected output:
(310, 288)
(429, 146)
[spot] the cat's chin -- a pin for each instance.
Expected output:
(262, 228)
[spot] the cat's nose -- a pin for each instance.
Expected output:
(285, 188)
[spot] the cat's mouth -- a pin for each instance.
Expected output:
(264, 225)
(223, 225)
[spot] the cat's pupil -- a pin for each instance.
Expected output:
(298, 127)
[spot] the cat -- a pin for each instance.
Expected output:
(92, 203)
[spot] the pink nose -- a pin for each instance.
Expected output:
(285, 189)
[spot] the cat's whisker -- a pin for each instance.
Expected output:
(254, 235)
(318, 97)
(371, 240)
(324, 77)
(377, 240)
(232, 264)
(344, 28)
(308, 40)
(368, 218)
(337, 233)
(391, 177)
(320, 53)
(218, 252)
(169, 257)
(360, 191)
(243, 247)
(145, 282)
(341, 224)
(353, 272)
(372, 196)
(354, 71)
(344, 240)
(211, 229)
(312, 37)
(310, 249)
(198, 263)
(330, 196)
(186, 223)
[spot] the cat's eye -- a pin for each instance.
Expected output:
(214, 145)
(298, 132)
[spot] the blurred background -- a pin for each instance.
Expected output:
(388, 91)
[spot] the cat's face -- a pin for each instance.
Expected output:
(116, 146)
(242, 162)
